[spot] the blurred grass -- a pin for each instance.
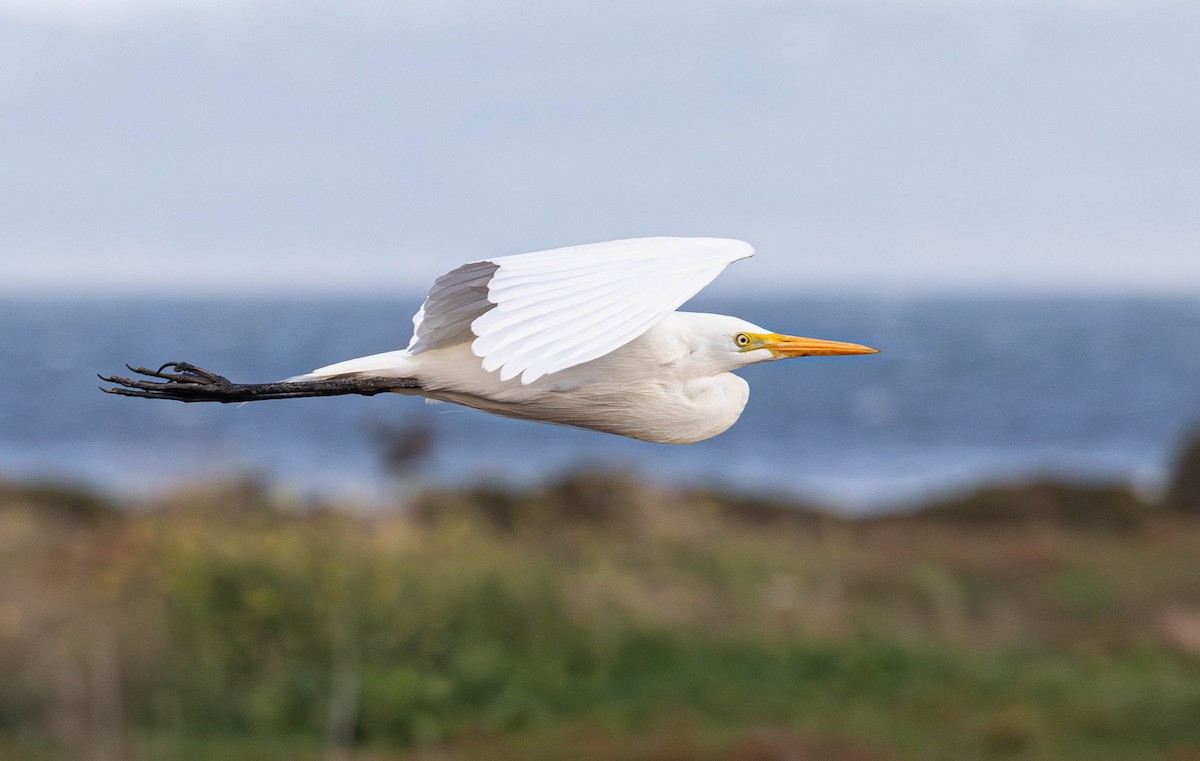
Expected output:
(597, 619)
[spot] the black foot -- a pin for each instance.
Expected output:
(188, 383)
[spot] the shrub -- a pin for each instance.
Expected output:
(1184, 492)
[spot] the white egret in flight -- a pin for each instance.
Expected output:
(586, 336)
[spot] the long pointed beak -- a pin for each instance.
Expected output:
(794, 346)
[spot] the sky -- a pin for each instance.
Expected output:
(860, 145)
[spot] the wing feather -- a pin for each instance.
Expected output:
(536, 314)
(536, 342)
(455, 300)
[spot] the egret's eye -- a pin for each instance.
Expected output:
(741, 339)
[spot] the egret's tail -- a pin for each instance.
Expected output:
(390, 364)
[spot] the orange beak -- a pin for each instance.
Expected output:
(794, 346)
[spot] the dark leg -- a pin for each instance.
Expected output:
(188, 383)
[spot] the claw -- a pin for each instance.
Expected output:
(189, 375)
(157, 373)
(133, 392)
(184, 369)
(189, 369)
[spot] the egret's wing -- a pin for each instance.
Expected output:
(453, 303)
(535, 314)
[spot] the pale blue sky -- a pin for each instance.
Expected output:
(906, 145)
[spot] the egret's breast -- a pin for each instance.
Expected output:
(716, 404)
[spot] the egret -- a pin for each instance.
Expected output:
(585, 336)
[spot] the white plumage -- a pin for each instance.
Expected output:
(588, 336)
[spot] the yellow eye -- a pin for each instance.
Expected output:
(741, 339)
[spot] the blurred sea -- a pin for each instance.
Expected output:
(966, 390)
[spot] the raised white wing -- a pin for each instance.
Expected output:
(535, 314)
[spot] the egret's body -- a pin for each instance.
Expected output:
(654, 388)
(589, 337)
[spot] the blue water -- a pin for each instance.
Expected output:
(967, 390)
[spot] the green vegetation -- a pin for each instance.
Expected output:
(599, 619)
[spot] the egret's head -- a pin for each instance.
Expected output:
(730, 343)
